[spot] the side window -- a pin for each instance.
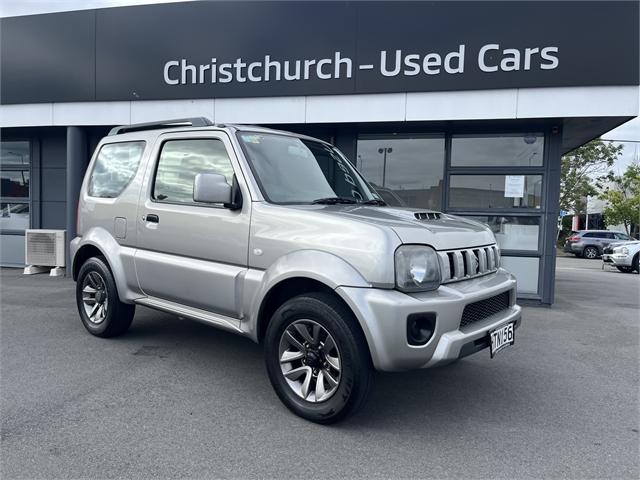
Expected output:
(181, 160)
(115, 166)
(622, 236)
(608, 235)
(590, 235)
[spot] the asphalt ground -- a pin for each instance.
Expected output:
(174, 398)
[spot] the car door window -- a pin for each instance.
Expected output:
(622, 236)
(179, 163)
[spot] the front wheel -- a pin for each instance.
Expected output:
(101, 311)
(317, 358)
(625, 269)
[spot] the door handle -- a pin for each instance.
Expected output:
(152, 218)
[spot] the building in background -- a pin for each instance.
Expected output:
(463, 107)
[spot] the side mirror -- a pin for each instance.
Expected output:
(211, 188)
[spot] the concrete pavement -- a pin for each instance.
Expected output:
(174, 398)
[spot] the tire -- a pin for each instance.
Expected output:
(333, 333)
(590, 253)
(625, 269)
(635, 263)
(96, 286)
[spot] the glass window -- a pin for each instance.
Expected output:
(622, 236)
(14, 183)
(404, 171)
(15, 164)
(180, 162)
(476, 192)
(15, 153)
(115, 166)
(14, 216)
(295, 170)
(516, 150)
(525, 269)
(513, 232)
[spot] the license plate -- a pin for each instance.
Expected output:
(501, 338)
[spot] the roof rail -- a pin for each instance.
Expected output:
(178, 122)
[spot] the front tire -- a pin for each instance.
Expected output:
(101, 311)
(317, 358)
(625, 269)
(590, 253)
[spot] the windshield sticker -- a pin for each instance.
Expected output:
(252, 138)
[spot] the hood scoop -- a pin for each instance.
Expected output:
(427, 215)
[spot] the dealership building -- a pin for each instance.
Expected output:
(461, 107)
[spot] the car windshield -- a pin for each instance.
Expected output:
(294, 170)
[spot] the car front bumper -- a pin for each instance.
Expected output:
(618, 259)
(383, 315)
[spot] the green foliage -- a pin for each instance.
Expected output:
(578, 172)
(623, 197)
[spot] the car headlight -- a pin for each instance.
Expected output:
(624, 251)
(417, 268)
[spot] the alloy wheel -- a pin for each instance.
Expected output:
(95, 297)
(310, 360)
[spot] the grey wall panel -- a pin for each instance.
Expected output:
(54, 185)
(54, 215)
(54, 148)
(11, 250)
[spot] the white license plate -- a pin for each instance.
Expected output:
(502, 337)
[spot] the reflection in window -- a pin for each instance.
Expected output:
(15, 153)
(180, 162)
(404, 171)
(475, 192)
(14, 183)
(512, 232)
(517, 150)
(115, 166)
(14, 216)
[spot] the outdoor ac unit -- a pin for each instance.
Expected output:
(45, 248)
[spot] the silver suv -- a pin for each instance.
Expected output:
(275, 236)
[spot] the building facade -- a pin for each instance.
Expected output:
(463, 107)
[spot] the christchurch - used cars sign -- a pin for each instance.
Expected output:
(391, 64)
(247, 49)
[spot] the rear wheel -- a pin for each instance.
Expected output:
(101, 311)
(590, 253)
(317, 358)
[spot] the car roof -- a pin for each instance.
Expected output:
(145, 131)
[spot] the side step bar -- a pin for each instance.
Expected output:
(213, 319)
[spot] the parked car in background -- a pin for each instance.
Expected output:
(591, 243)
(623, 255)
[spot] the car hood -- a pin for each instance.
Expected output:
(441, 231)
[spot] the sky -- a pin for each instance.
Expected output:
(630, 131)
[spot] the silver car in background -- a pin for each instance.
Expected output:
(591, 243)
(276, 236)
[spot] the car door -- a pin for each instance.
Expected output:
(190, 253)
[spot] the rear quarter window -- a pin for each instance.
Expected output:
(115, 166)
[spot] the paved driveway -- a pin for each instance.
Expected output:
(178, 399)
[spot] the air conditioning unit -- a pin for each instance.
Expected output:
(44, 250)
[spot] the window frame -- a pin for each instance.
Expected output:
(95, 163)
(28, 200)
(156, 165)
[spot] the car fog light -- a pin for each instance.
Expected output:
(420, 328)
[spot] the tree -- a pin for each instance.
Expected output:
(579, 170)
(623, 197)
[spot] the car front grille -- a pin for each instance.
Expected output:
(456, 265)
(474, 312)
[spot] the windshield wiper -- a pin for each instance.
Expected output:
(375, 201)
(333, 200)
